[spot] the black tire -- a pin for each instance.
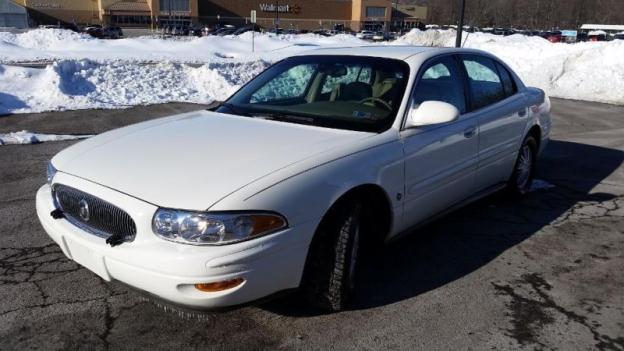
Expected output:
(519, 183)
(329, 278)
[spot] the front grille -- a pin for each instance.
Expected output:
(102, 218)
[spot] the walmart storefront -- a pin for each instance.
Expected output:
(127, 13)
(299, 14)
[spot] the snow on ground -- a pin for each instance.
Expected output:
(25, 137)
(93, 73)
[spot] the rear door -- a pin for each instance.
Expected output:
(440, 160)
(502, 114)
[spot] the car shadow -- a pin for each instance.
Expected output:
(464, 241)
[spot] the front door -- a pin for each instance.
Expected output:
(440, 160)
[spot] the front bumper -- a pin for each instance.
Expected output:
(169, 270)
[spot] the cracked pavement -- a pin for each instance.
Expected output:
(541, 273)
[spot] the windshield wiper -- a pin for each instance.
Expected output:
(235, 109)
(284, 117)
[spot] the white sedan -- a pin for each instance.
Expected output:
(365, 34)
(284, 185)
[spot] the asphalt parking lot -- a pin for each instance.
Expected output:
(541, 273)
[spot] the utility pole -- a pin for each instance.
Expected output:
(169, 19)
(276, 15)
(460, 27)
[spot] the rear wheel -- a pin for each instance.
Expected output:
(524, 169)
(331, 269)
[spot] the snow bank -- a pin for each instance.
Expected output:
(592, 71)
(25, 137)
(57, 44)
(93, 73)
(71, 85)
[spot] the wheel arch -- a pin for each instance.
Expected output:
(378, 213)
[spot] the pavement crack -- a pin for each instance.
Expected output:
(29, 264)
(529, 315)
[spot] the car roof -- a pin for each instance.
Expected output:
(400, 52)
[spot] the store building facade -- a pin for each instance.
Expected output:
(297, 14)
(12, 15)
(127, 13)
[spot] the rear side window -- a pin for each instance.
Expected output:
(508, 83)
(441, 81)
(486, 86)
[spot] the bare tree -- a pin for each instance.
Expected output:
(541, 14)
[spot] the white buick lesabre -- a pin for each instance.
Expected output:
(282, 185)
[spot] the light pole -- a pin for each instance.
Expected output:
(276, 15)
(460, 27)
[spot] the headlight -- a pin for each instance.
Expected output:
(50, 172)
(206, 228)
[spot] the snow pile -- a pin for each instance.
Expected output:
(93, 73)
(57, 44)
(86, 84)
(592, 71)
(25, 137)
(428, 38)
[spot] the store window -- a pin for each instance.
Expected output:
(175, 5)
(130, 20)
(374, 11)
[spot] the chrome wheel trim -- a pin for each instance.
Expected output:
(524, 167)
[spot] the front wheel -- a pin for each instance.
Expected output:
(330, 273)
(524, 170)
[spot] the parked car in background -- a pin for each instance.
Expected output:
(314, 162)
(618, 36)
(112, 32)
(554, 36)
(69, 26)
(225, 30)
(365, 34)
(94, 31)
(597, 35)
(582, 36)
(276, 30)
(248, 28)
(196, 31)
(323, 32)
(380, 36)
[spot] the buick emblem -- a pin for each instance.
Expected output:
(83, 210)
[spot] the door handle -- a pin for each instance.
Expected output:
(470, 132)
(522, 112)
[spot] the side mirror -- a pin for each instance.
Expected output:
(432, 112)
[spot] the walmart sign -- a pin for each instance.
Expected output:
(280, 8)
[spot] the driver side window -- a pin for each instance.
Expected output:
(441, 81)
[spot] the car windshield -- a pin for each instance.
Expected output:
(345, 92)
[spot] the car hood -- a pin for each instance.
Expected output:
(191, 161)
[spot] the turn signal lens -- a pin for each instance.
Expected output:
(220, 286)
(265, 223)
